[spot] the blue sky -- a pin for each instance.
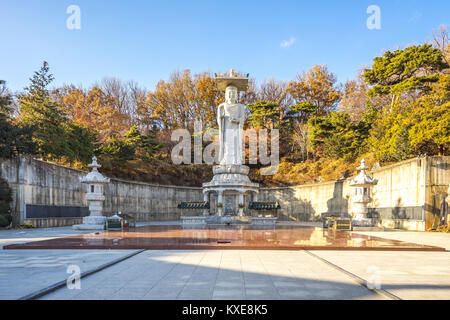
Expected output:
(146, 40)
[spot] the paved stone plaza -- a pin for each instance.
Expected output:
(235, 274)
(228, 274)
(23, 272)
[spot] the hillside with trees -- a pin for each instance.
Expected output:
(397, 108)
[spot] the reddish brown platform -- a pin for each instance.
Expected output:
(221, 237)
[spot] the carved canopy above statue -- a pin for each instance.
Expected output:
(240, 83)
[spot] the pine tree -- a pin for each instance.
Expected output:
(412, 69)
(14, 139)
(144, 145)
(38, 110)
(430, 120)
(5, 200)
(265, 114)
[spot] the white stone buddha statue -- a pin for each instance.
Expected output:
(231, 118)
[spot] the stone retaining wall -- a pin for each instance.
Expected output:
(51, 191)
(408, 193)
(412, 191)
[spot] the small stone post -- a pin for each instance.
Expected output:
(219, 202)
(241, 203)
(205, 199)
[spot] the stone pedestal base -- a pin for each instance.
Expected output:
(227, 220)
(231, 176)
(91, 223)
(261, 221)
(367, 229)
(186, 220)
(222, 220)
(361, 223)
(231, 184)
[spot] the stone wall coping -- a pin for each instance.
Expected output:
(262, 189)
(114, 179)
(446, 158)
(29, 158)
(303, 185)
(155, 185)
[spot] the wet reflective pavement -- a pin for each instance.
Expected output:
(178, 237)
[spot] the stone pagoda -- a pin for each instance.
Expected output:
(95, 197)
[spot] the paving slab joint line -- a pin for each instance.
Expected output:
(360, 281)
(63, 283)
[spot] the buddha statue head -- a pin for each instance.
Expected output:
(231, 94)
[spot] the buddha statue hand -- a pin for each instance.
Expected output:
(234, 120)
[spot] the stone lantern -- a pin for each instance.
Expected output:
(95, 181)
(361, 197)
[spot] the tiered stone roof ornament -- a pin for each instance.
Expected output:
(363, 178)
(94, 176)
